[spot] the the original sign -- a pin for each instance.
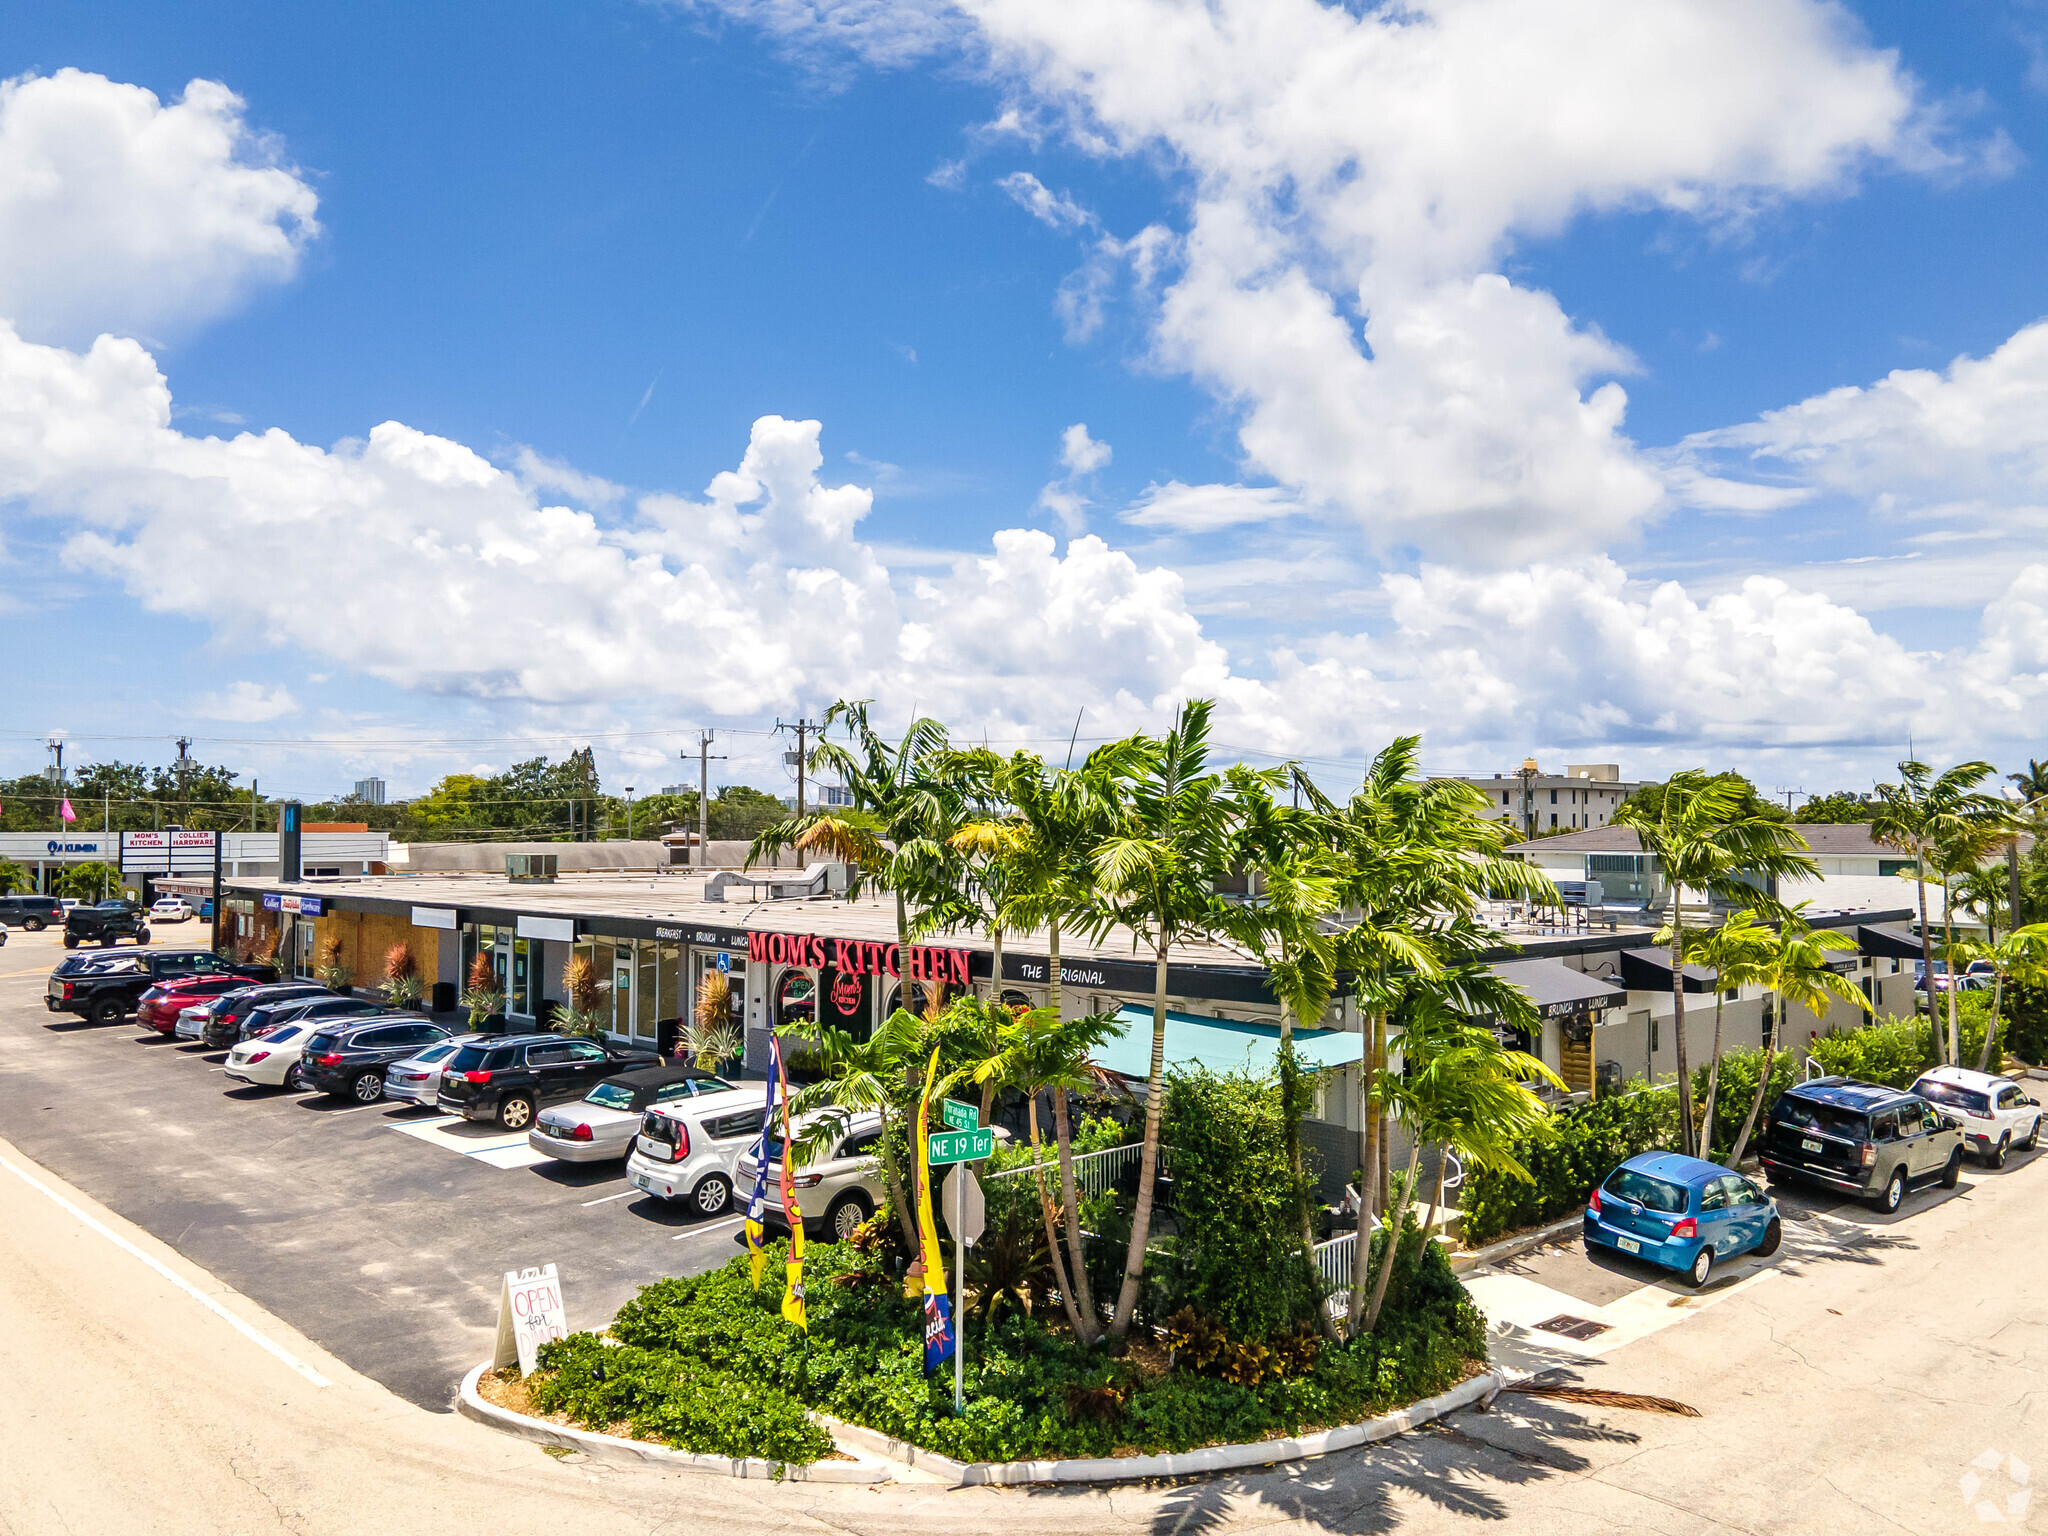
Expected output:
(961, 1117)
(530, 1313)
(961, 1146)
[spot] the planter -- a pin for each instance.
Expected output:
(872, 1451)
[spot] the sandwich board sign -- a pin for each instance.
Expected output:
(530, 1313)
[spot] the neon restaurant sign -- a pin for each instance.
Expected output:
(854, 957)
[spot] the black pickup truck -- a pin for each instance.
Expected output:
(104, 988)
(103, 924)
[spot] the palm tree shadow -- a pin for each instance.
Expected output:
(1464, 1465)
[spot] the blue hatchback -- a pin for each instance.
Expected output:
(1681, 1213)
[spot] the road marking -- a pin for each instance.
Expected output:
(624, 1194)
(709, 1226)
(171, 1275)
(356, 1111)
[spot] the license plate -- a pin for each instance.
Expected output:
(1811, 1145)
(1628, 1245)
(641, 1181)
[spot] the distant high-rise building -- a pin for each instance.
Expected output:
(678, 789)
(370, 791)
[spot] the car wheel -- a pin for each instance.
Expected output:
(2033, 1136)
(1702, 1266)
(107, 1010)
(35, 925)
(367, 1088)
(107, 942)
(1995, 1158)
(142, 935)
(70, 942)
(1894, 1194)
(846, 1214)
(1952, 1175)
(516, 1113)
(293, 1077)
(712, 1195)
(1774, 1234)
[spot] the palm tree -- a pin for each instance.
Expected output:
(1919, 814)
(2022, 955)
(860, 1076)
(1417, 858)
(1460, 1087)
(1288, 923)
(1045, 1053)
(1958, 856)
(1797, 973)
(1981, 892)
(1156, 875)
(912, 808)
(1707, 835)
(1738, 953)
(2033, 783)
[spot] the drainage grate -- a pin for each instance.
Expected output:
(1573, 1327)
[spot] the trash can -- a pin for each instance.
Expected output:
(444, 997)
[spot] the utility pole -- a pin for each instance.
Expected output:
(56, 746)
(629, 813)
(704, 756)
(802, 728)
(1528, 774)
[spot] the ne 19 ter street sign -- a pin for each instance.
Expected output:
(961, 1146)
(960, 1117)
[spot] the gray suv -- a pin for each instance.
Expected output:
(35, 913)
(1861, 1138)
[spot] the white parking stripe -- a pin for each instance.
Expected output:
(709, 1226)
(176, 1279)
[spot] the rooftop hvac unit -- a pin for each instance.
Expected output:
(1581, 893)
(531, 868)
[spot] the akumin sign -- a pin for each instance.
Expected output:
(855, 957)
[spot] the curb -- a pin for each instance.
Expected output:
(1215, 1458)
(1510, 1247)
(863, 1469)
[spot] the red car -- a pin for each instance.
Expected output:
(159, 1006)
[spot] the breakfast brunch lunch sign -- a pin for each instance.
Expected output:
(530, 1314)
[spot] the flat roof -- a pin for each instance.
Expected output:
(1828, 839)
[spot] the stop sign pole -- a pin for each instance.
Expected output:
(969, 1215)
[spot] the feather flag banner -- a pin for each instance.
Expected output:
(65, 810)
(938, 1304)
(757, 1203)
(793, 1282)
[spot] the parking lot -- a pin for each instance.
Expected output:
(379, 1231)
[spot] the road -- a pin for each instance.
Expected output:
(323, 1212)
(1865, 1380)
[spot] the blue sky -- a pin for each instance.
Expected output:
(616, 235)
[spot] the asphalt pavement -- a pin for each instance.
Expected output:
(381, 1232)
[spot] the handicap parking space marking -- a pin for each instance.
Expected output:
(506, 1149)
(521, 1156)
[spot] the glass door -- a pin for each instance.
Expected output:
(623, 988)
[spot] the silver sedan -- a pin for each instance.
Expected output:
(417, 1079)
(600, 1126)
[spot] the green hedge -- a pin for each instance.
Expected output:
(709, 1364)
(1580, 1146)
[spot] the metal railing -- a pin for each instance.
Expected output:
(1094, 1172)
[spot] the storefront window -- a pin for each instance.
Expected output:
(796, 998)
(849, 1003)
(734, 979)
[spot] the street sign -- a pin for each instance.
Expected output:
(961, 1146)
(961, 1117)
(967, 1211)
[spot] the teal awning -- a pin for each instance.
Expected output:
(1220, 1045)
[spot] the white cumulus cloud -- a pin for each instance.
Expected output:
(248, 703)
(121, 213)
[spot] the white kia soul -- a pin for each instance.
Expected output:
(1996, 1113)
(687, 1149)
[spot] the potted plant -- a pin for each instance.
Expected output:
(332, 972)
(586, 1013)
(708, 1037)
(483, 998)
(402, 985)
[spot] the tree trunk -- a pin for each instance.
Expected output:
(1077, 1257)
(1384, 1174)
(1763, 1086)
(1688, 1143)
(1926, 956)
(1052, 1239)
(1948, 931)
(1436, 1195)
(1986, 1056)
(906, 1214)
(1148, 1163)
(1052, 967)
(1397, 1220)
(1368, 1177)
(1713, 1078)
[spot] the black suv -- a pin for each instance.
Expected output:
(104, 987)
(224, 1023)
(346, 1060)
(1861, 1138)
(103, 924)
(35, 913)
(509, 1080)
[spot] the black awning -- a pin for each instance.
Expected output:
(1557, 990)
(1893, 941)
(1649, 970)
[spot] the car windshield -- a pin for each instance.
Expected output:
(282, 1033)
(1825, 1118)
(1654, 1194)
(434, 1053)
(1954, 1096)
(610, 1096)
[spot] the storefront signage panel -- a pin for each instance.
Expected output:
(304, 906)
(1213, 982)
(856, 957)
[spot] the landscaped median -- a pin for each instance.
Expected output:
(705, 1373)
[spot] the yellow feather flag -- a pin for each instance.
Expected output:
(939, 1340)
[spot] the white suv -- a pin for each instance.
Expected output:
(686, 1150)
(836, 1192)
(1996, 1115)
